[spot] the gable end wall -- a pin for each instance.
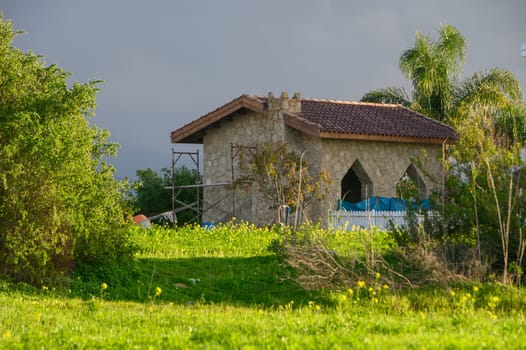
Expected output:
(249, 129)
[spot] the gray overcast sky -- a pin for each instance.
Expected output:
(166, 63)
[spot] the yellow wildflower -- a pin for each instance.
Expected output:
(361, 284)
(103, 286)
(158, 291)
(377, 275)
(492, 315)
(342, 298)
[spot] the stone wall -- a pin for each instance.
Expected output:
(221, 165)
(384, 163)
(312, 148)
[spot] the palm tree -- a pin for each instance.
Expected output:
(487, 110)
(434, 68)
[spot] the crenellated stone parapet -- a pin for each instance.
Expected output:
(283, 103)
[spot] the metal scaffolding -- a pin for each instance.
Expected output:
(236, 155)
(176, 190)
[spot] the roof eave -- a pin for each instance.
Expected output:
(386, 138)
(302, 125)
(190, 132)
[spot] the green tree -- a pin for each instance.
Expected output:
(486, 109)
(490, 164)
(153, 194)
(59, 203)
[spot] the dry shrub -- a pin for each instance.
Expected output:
(317, 267)
(421, 265)
(464, 260)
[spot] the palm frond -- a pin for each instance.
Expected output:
(393, 95)
(451, 47)
(491, 90)
(431, 65)
(493, 97)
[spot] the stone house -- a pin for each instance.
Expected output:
(366, 149)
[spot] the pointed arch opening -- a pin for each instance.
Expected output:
(411, 185)
(356, 184)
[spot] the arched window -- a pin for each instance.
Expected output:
(356, 184)
(411, 185)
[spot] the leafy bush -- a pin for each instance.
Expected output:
(59, 203)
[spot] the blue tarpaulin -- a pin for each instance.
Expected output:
(382, 204)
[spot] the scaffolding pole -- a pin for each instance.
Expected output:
(194, 157)
(236, 152)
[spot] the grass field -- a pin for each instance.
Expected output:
(194, 289)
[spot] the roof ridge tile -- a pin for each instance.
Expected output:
(351, 102)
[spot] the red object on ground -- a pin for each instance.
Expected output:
(141, 220)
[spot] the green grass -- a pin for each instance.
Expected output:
(224, 289)
(229, 265)
(50, 322)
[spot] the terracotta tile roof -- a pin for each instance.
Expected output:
(371, 119)
(333, 119)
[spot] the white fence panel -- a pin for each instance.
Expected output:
(343, 219)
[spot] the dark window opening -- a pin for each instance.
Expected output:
(356, 184)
